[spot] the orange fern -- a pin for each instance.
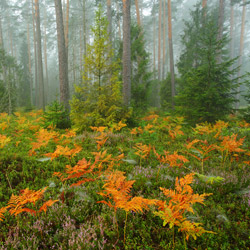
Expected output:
(17, 204)
(180, 201)
(117, 191)
(2, 211)
(202, 148)
(4, 140)
(64, 151)
(143, 151)
(174, 160)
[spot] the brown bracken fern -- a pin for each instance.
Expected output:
(180, 201)
(117, 192)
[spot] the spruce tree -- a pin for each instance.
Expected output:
(98, 99)
(206, 91)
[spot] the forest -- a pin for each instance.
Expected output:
(125, 124)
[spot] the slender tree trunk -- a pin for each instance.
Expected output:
(164, 40)
(220, 26)
(138, 13)
(67, 28)
(109, 14)
(126, 53)
(81, 51)
(171, 53)
(84, 29)
(1, 32)
(10, 39)
(159, 41)
(46, 86)
(30, 71)
(241, 49)
(119, 25)
(154, 41)
(204, 3)
(39, 57)
(63, 61)
(232, 31)
(204, 7)
(9, 89)
(35, 53)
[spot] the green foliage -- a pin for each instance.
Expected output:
(207, 90)
(25, 81)
(9, 70)
(97, 100)
(165, 92)
(55, 115)
(141, 76)
(245, 112)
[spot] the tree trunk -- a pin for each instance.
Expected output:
(63, 61)
(171, 54)
(109, 14)
(164, 40)
(232, 31)
(30, 71)
(35, 53)
(119, 25)
(39, 57)
(204, 7)
(84, 29)
(138, 13)
(159, 42)
(204, 3)
(1, 33)
(126, 53)
(154, 45)
(9, 89)
(46, 86)
(220, 26)
(10, 39)
(67, 29)
(241, 49)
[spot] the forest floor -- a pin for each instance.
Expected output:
(162, 183)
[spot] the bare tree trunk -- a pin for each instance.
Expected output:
(164, 40)
(232, 31)
(119, 25)
(35, 53)
(138, 13)
(204, 3)
(220, 26)
(10, 39)
(30, 71)
(241, 49)
(126, 53)
(159, 42)
(84, 29)
(63, 60)
(9, 88)
(109, 14)
(46, 86)
(154, 45)
(171, 53)
(67, 29)
(39, 57)
(204, 7)
(1, 32)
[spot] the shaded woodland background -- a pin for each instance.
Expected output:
(160, 39)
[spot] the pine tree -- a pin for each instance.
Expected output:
(206, 92)
(98, 100)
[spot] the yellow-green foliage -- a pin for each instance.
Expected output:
(98, 100)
